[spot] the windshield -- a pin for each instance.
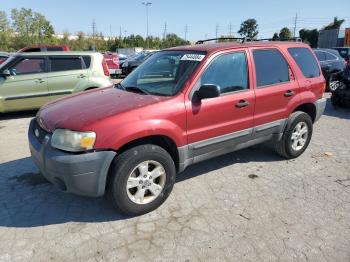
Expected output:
(164, 73)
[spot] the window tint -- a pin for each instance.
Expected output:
(330, 56)
(320, 55)
(28, 66)
(87, 61)
(306, 61)
(34, 49)
(228, 71)
(65, 63)
(54, 48)
(270, 66)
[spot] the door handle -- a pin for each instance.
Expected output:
(242, 103)
(39, 81)
(81, 76)
(289, 93)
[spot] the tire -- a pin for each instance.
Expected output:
(285, 146)
(127, 169)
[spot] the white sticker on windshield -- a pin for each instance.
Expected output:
(192, 57)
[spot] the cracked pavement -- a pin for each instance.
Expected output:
(250, 205)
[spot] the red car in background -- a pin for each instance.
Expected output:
(112, 60)
(3, 57)
(44, 48)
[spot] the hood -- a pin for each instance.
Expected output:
(80, 110)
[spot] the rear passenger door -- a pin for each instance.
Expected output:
(276, 90)
(67, 74)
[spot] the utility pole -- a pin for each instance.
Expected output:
(93, 34)
(216, 30)
(186, 30)
(295, 24)
(230, 29)
(110, 31)
(165, 31)
(120, 32)
(147, 4)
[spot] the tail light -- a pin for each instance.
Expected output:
(115, 60)
(105, 68)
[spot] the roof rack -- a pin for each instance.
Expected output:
(295, 39)
(247, 39)
(243, 39)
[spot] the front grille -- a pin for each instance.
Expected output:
(39, 132)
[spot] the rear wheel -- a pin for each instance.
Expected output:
(141, 179)
(296, 136)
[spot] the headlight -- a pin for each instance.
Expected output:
(125, 64)
(72, 141)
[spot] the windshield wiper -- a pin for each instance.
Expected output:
(137, 89)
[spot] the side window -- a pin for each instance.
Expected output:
(330, 56)
(320, 55)
(28, 66)
(65, 63)
(228, 71)
(306, 61)
(270, 66)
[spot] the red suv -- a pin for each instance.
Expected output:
(44, 48)
(182, 106)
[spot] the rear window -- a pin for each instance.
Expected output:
(87, 61)
(330, 56)
(55, 48)
(306, 61)
(65, 63)
(271, 67)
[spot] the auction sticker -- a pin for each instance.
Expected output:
(192, 57)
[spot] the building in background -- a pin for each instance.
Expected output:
(332, 38)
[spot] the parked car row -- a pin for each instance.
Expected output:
(331, 63)
(29, 80)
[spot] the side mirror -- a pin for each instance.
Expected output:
(208, 91)
(6, 73)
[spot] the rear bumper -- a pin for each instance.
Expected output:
(82, 174)
(115, 71)
(320, 107)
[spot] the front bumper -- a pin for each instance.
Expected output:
(320, 107)
(82, 174)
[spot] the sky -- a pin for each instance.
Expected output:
(202, 17)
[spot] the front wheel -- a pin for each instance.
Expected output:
(296, 136)
(141, 179)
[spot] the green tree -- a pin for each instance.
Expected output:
(285, 34)
(336, 24)
(5, 32)
(309, 36)
(275, 37)
(249, 28)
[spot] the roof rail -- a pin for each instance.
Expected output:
(295, 39)
(247, 39)
(243, 39)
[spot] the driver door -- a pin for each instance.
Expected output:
(26, 87)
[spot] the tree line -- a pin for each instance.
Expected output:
(25, 27)
(249, 28)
